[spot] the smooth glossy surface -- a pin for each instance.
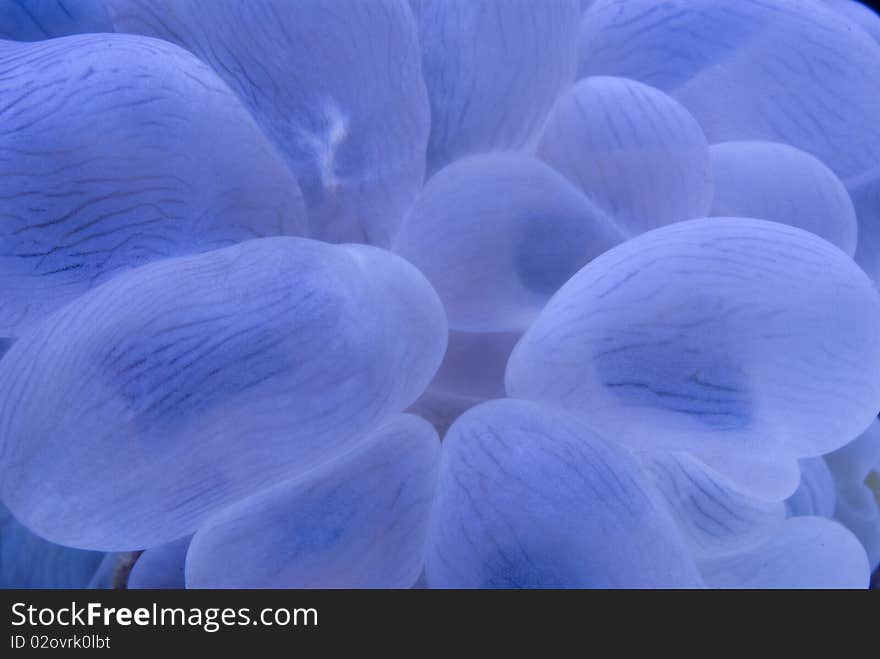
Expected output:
(773, 181)
(860, 14)
(337, 86)
(792, 71)
(171, 391)
(116, 151)
(632, 149)
(360, 521)
(497, 235)
(769, 478)
(721, 336)
(493, 69)
(35, 20)
(809, 552)
(531, 498)
(29, 561)
(714, 516)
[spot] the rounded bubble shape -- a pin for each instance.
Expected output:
(808, 552)
(856, 472)
(497, 235)
(773, 181)
(34, 20)
(133, 413)
(860, 14)
(529, 497)
(768, 478)
(359, 521)
(631, 148)
(493, 69)
(816, 495)
(116, 151)
(161, 567)
(792, 71)
(29, 561)
(337, 86)
(725, 336)
(725, 62)
(714, 516)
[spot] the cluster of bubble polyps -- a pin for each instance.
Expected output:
(439, 293)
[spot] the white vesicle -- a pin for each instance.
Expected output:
(632, 149)
(141, 408)
(359, 521)
(721, 337)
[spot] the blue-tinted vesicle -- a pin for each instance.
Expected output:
(718, 336)
(809, 552)
(116, 151)
(860, 14)
(337, 86)
(497, 235)
(493, 69)
(772, 181)
(792, 71)
(769, 478)
(715, 516)
(29, 561)
(360, 521)
(439, 294)
(133, 413)
(632, 149)
(35, 20)
(530, 497)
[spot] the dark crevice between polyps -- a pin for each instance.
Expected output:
(124, 563)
